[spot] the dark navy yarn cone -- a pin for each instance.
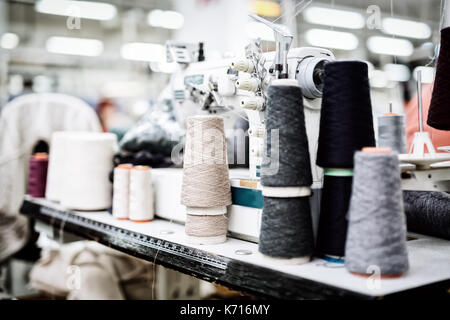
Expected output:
(346, 123)
(346, 126)
(439, 112)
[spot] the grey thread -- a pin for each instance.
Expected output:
(391, 132)
(377, 229)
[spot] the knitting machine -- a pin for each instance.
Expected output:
(236, 88)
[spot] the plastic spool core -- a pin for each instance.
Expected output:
(286, 192)
(126, 166)
(141, 168)
(40, 156)
(214, 211)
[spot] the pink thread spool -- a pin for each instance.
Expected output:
(37, 177)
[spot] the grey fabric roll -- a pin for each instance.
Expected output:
(391, 132)
(286, 228)
(428, 212)
(377, 228)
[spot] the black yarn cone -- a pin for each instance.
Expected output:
(439, 112)
(346, 123)
(333, 216)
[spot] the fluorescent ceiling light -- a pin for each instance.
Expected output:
(406, 28)
(165, 19)
(334, 17)
(397, 72)
(427, 74)
(332, 39)
(390, 46)
(74, 46)
(9, 40)
(141, 51)
(82, 9)
(266, 8)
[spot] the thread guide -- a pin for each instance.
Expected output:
(220, 264)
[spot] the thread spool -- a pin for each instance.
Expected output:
(37, 177)
(439, 114)
(244, 65)
(428, 213)
(206, 186)
(346, 126)
(377, 227)
(141, 194)
(346, 123)
(85, 168)
(250, 84)
(286, 224)
(206, 229)
(55, 172)
(121, 191)
(391, 132)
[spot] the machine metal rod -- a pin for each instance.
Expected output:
(419, 98)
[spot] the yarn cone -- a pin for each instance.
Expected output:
(439, 112)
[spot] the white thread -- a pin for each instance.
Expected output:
(86, 163)
(121, 191)
(141, 194)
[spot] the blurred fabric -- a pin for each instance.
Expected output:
(87, 270)
(24, 122)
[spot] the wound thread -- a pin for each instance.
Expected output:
(346, 125)
(391, 132)
(206, 184)
(286, 223)
(439, 112)
(121, 191)
(428, 213)
(37, 176)
(377, 227)
(205, 171)
(141, 194)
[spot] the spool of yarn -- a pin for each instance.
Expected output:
(37, 176)
(286, 224)
(87, 161)
(206, 185)
(346, 125)
(121, 191)
(377, 226)
(428, 213)
(56, 174)
(391, 132)
(439, 112)
(285, 115)
(335, 200)
(206, 229)
(141, 194)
